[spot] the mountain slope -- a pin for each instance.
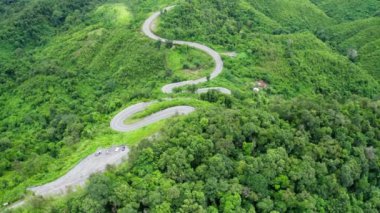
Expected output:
(362, 36)
(58, 89)
(349, 10)
(293, 64)
(299, 132)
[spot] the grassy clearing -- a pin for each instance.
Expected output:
(188, 63)
(114, 14)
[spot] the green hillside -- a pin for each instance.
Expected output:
(309, 142)
(61, 91)
(349, 10)
(293, 64)
(294, 15)
(362, 36)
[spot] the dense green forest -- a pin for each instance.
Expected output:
(286, 156)
(310, 142)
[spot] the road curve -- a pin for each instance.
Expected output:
(147, 30)
(118, 124)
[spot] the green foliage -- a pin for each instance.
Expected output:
(308, 142)
(362, 36)
(30, 22)
(187, 63)
(292, 64)
(349, 10)
(294, 15)
(61, 84)
(214, 96)
(298, 165)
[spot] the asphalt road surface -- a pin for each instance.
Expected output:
(81, 172)
(117, 122)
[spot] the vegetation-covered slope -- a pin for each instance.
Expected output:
(359, 40)
(298, 63)
(294, 15)
(309, 142)
(349, 10)
(285, 156)
(59, 90)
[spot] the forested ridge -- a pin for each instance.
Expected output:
(307, 143)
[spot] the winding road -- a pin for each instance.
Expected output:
(98, 162)
(117, 122)
(147, 30)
